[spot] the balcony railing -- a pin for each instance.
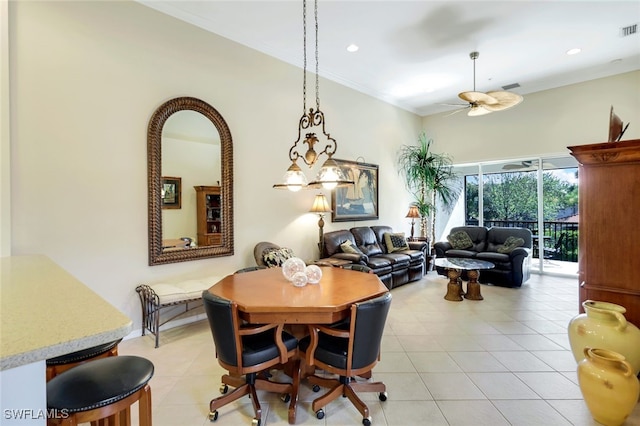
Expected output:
(559, 242)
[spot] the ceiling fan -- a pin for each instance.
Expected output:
(528, 165)
(481, 103)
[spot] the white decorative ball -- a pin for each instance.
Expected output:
(291, 266)
(314, 274)
(299, 279)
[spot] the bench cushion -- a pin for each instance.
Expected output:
(183, 290)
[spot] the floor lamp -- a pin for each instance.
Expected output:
(320, 206)
(413, 214)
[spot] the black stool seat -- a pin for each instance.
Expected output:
(83, 354)
(98, 383)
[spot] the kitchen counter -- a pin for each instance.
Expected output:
(46, 312)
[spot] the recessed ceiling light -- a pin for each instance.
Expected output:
(353, 48)
(574, 51)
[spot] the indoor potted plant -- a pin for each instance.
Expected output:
(430, 178)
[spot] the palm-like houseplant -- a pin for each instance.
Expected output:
(430, 178)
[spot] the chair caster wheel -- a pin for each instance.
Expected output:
(382, 396)
(255, 422)
(366, 421)
(320, 414)
(285, 397)
(213, 416)
(224, 388)
(316, 388)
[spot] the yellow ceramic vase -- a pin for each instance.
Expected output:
(609, 386)
(604, 326)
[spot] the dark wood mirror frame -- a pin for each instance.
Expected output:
(154, 173)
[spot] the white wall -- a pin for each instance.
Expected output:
(85, 79)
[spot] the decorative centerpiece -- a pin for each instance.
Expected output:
(295, 270)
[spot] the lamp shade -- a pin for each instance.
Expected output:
(413, 212)
(320, 204)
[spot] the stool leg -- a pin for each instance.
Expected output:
(144, 407)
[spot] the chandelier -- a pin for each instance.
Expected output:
(330, 174)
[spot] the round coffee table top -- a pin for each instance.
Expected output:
(463, 263)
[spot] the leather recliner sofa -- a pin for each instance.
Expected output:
(511, 268)
(393, 268)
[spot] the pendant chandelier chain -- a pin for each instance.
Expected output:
(304, 50)
(317, 61)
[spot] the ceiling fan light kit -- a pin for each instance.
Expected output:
(481, 103)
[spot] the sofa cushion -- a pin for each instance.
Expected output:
(395, 242)
(460, 240)
(276, 257)
(510, 244)
(349, 247)
(366, 240)
(461, 253)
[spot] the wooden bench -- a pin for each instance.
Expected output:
(156, 298)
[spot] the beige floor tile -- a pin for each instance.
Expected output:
(458, 343)
(477, 413)
(404, 413)
(551, 385)
(574, 410)
(497, 342)
(558, 360)
(502, 386)
(433, 362)
(403, 387)
(535, 342)
(530, 413)
(395, 362)
(477, 361)
(420, 344)
(451, 386)
(520, 361)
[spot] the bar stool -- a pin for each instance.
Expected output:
(103, 389)
(63, 363)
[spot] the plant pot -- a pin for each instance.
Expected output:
(608, 384)
(604, 326)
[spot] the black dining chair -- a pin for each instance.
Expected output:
(349, 352)
(246, 350)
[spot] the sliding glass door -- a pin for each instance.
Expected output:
(535, 193)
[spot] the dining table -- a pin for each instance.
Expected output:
(265, 296)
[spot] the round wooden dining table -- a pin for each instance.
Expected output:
(265, 296)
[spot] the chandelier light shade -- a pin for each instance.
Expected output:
(413, 214)
(329, 175)
(320, 206)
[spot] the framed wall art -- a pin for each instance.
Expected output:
(358, 201)
(171, 192)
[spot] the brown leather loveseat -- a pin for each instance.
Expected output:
(388, 254)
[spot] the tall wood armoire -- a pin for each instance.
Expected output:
(609, 224)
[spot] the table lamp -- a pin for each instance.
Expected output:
(320, 206)
(413, 214)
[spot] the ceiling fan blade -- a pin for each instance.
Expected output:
(477, 110)
(456, 111)
(477, 97)
(505, 100)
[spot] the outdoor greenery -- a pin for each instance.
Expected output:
(430, 179)
(512, 196)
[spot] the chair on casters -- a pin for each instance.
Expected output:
(246, 350)
(349, 352)
(101, 392)
(63, 363)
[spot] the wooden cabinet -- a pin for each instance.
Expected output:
(209, 211)
(609, 238)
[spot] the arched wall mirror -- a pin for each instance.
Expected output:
(190, 182)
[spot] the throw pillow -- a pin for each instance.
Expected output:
(395, 242)
(460, 240)
(276, 257)
(510, 244)
(348, 247)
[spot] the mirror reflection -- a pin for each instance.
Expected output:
(190, 151)
(190, 183)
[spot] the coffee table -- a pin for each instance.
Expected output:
(454, 267)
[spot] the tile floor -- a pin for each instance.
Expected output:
(502, 361)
